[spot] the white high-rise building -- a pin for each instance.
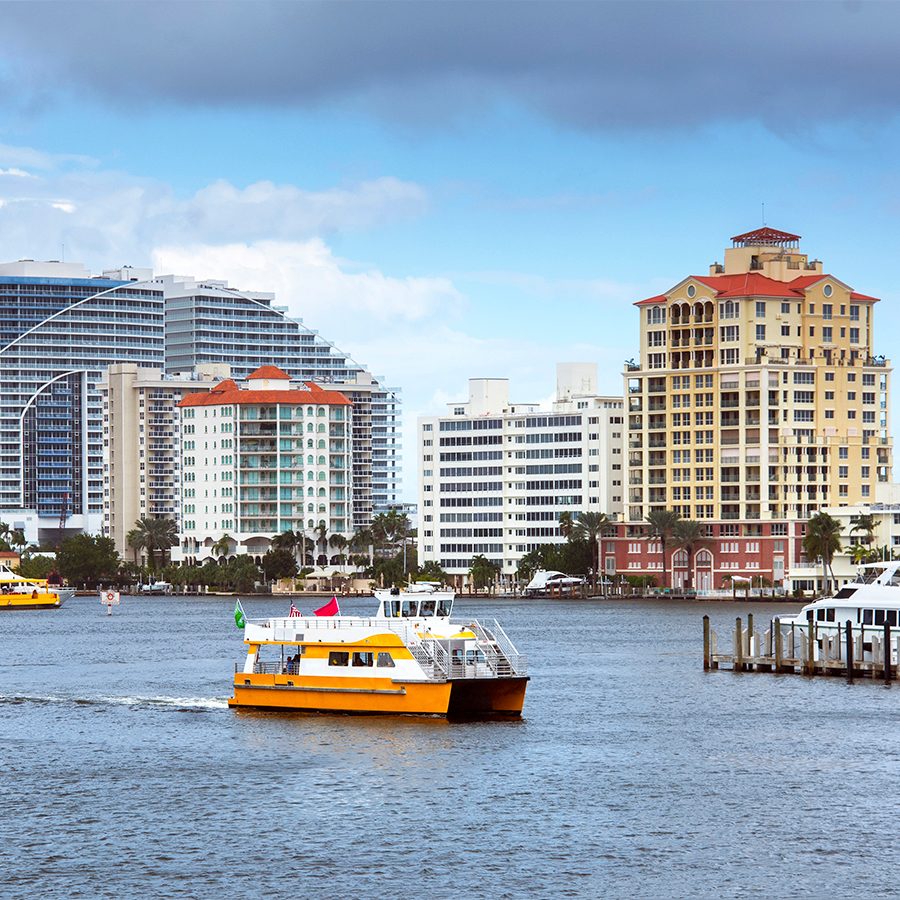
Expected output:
(261, 458)
(494, 476)
(209, 322)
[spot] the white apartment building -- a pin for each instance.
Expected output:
(142, 443)
(495, 476)
(260, 458)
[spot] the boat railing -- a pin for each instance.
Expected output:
(499, 650)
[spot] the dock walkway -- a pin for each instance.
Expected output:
(843, 649)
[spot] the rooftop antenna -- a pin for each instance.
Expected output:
(764, 213)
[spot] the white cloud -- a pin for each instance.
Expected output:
(317, 286)
(16, 173)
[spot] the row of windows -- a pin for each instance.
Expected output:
(469, 441)
(362, 659)
(472, 455)
(469, 425)
(470, 517)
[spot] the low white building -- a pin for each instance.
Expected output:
(495, 476)
(885, 512)
(261, 458)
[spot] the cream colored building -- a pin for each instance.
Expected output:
(758, 400)
(141, 443)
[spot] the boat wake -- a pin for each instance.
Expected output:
(179, 704)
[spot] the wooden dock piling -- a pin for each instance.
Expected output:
(856, 651)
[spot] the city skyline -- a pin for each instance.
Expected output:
(440, 206)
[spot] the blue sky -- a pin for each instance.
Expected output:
(452, 190)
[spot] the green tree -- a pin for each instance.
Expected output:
(662, 523)
(322, 542)
(589, 527)
(239, 574)
(482, 572)
(88, 560)
(389, 529)
(279, 564)
(566, 524)
(37, 566)
(222, 546)
(339, 543)
(687, 535)
(156, 536)
(864, 523)
(821, 541)
(432, 571)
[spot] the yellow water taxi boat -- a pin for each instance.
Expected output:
(410, 658)
(19, 592)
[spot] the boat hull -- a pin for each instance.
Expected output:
(26, 601)
(473, 697)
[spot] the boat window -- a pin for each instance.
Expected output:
(338, 658)
(891, 616)
(385, 661)
(894, 580)
(879, 617)
(867, 617)
(844, 593)
(820, 615)
(474, 656)
(363, 659)
(443, 608)
(829, 617)
(410, 608)
(427, 608)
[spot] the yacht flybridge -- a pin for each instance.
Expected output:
(869, 602)
(409, 658)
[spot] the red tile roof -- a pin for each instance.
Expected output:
(228, 393)
(270, 372)
(766, 236)
(754, 284)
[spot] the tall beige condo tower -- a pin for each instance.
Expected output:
(758, 398)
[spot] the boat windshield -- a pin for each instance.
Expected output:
(869, 576)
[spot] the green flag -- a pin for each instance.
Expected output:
(239, 619)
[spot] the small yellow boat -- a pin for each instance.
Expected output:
(409, 658)
(19, 592)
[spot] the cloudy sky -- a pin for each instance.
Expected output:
(449, 190)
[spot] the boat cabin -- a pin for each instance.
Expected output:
(415, 606)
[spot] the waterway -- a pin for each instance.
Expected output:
(632, 774)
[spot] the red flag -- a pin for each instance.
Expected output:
(294, 613)
(331, 608)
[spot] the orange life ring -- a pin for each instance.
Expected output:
(110, 596)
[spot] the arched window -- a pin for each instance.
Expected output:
(704, 558)
(321, 428)
(310, 507)
(310, 460)
(320, 411)
(321, 492)
(310, 492)
(321, 507)
(310, 476)
(310, 426)
(321, 476)
(680, 558)
(321, 460)
(310, 443)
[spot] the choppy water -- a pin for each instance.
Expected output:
(123, 774)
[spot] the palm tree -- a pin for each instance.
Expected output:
(363, 542)
(821, 541)
(864, 523)
(322, 539)
(154, 536)
(566, 524)
(589, 526)
(662, 523)
(860, 554)
(687, 535)
(339, 542)
(221, 547)
(389, 528)
(135, 540)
